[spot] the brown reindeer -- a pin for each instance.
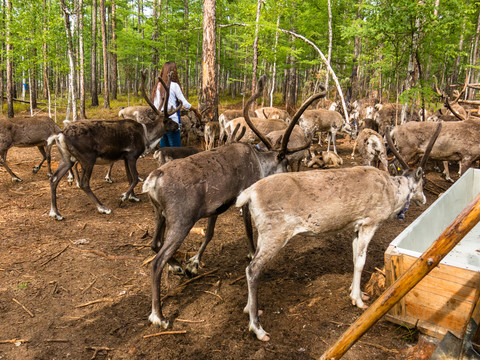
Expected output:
(204, 185)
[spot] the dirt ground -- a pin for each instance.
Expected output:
(77, 289)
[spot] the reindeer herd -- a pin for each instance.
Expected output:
(246, 163)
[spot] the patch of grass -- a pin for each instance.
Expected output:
(22, 285)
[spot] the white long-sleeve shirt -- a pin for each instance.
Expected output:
(175, 94)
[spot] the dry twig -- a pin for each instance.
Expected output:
(94, 302)
(24, 308)
(190, 321)
(182, 286)
(97, 350)
(165, 333)
(238, 279)
(392, 351)
(13, 341)
(55, 256)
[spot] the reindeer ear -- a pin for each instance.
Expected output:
(418, 173)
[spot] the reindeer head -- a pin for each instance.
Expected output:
(280, 149)
(417, 175)
(168, 124)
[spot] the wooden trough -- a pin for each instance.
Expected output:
(444, 300)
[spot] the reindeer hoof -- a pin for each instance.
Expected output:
(192, 268)
(104, 210)
(108, 180)
(36, 168)
(16, 179)
(154, 319)
(56, 216)
(141, 179)
(175, 270)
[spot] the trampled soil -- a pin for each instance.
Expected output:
(70, 287)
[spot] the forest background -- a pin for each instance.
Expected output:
(78, 54)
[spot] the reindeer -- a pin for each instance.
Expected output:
(272, 113)
(323, 201)
(372, 149)
(141, 114)
(265, 126)
(205, 185)
(227, 116)
(313, 121)
(27, 132)
(212, 132)
(388, 114)
(167, 154)
(458, 141)
(101, 141)
(297, 139)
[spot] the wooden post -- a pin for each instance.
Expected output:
(460, 227)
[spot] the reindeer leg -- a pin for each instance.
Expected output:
(263, 255)
(247, 221)
(360, 246)
(87, 168)
(446, 171)
(108, 177)
(64, 166)
(36, 168)
(173, 239)
(132, 175)
(192, 265)
(3, 161)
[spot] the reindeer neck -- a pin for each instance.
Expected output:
(403, 192)
(153, 130)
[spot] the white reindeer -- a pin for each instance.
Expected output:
(321, 201)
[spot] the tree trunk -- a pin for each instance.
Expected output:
(9, 54)
(71, 61)
(81, 60)
(106, 100)
(474, 58)
(411, 69)
(209, 62)
(94, 87)
(187, 50)
(291, 83)
(255, 50)
(113, 53)
(330, 39)
(274, 72)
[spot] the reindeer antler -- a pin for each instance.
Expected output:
(430, 145)
(296, 117)
(142, 89)
(261, 85)
(394, 150)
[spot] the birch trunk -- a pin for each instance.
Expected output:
(71, 61)
(10, 113)
(81, 60)
(114, 53)
(106, 95)
(330, 40)
(255, 50)
(94, 87)
(274, 71)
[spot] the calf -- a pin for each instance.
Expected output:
(27, 132)
(371, 149)
(272, 113)
(212, 132)
(265, 126)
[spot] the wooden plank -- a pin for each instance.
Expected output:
(448, 289)
(450, 273)
(452, 319)
(424, 326)
(393, 270)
